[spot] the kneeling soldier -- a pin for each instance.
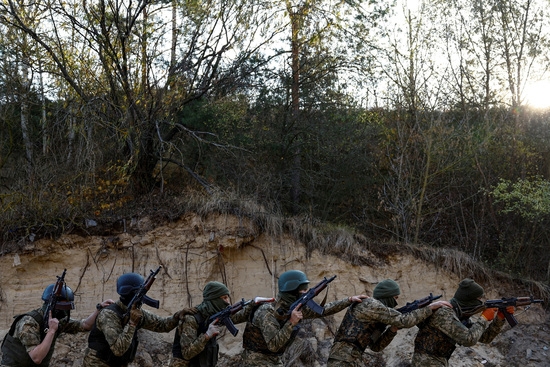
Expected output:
(365, 325)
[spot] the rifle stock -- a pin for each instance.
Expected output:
(307, 298)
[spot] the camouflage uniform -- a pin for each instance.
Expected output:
(278, 337)
(364, 325)
(27, 334)
(438, 336)
(120, 337)
(192, 344)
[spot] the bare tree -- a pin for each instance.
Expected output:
(121, 80)
(520, 25)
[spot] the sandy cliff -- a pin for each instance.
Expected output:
(226, 248)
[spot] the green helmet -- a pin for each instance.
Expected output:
(290, 280)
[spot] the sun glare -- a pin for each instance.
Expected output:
(537, 95)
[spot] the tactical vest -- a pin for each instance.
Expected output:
(434, 342)
(14, 352)
(98, 342)
(208, 357)
(358, 333)
(254, 340)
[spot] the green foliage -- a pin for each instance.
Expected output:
(528, 198)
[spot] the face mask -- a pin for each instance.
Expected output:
(126, 299)
(219, 304)
(297, 292)
(389, 302)
(287, 297)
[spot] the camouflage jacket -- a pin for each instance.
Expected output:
(27, 333)
(192, 344)
(276, 337)
(120, 337)
(370, 312)
(447, 331)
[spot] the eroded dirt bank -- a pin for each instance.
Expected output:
(195, 250)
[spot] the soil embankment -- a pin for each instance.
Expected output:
(195, 250)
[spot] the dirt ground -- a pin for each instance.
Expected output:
(524, 345)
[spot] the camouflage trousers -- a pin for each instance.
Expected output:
(255, 359)
(90, 360)
(337, 363)
(178, 362)
(343, 354)
(426, 360)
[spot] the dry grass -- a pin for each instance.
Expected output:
(349, 245)
(266, 217)
(317, 236)
(465, 266)
(343, 242)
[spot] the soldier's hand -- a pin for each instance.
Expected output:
(259, 300)
(213, 329)
(296, 315)
(489, 314)
(180, 315)
(53, 323)
(435, 305)
(509, 309)
(106, 303)
(358, 298)
(135, 316)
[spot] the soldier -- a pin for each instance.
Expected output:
(365, 325)
(29, 344)
(111, 342)
(270, 331)
(195, 341)
(438, 335)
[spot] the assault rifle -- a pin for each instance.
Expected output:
(52, 300)
(307, 298)
(140, 297)
(419, 303)
(502, 303)
(224, 316)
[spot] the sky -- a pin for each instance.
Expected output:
(536, 94)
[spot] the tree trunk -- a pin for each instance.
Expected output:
(25, 119)
(295, 180)
(142, 180)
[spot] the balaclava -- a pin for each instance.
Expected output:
(289, 298)
(385, 291)
(211, 301)
(467, 294)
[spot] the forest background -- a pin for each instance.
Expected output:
(407, 125)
